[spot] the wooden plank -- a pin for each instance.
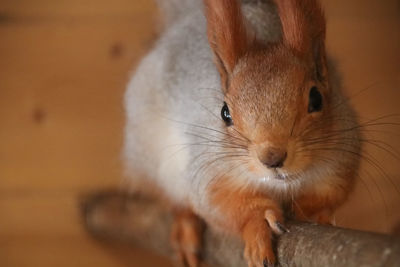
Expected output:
(365, 9)
(79, 252)
(62, 9)
(61, 102)
(94, 8)
(47, 230)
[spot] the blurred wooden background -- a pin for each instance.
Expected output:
(63, 69)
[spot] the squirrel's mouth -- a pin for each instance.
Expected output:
(280, 176)
(277, 176)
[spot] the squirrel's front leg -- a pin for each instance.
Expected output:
(254, 217)
(257, 236)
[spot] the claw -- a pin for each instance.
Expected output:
(267, 263)
(274, 220)
(282, 227)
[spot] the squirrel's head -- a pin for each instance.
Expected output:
(277, 95)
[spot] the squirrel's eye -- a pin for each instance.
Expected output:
(315, 100)
(226, 116)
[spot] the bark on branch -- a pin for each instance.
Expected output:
(146, 223)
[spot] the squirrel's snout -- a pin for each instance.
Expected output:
(273, 157)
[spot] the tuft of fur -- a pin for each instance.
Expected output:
(228, 35)
(303, 22)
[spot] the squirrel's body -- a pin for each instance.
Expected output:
(279, 143)
(177, 81)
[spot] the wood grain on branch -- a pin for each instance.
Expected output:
(146, 223)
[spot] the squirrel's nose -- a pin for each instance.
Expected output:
(273, 157)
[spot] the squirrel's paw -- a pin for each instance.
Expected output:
(258, 248)
(186, 238)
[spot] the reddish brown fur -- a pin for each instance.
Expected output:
(227, 34)
(239, 205)
(304, 29)
(302, 23)
(319, 204)
(186, 237)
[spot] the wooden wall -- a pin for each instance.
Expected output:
(63, 68)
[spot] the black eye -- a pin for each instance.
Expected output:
(226, 116)
(315, 100)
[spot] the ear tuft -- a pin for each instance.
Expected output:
(227, 34)
(303, 24)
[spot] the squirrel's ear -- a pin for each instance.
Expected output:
(228, 36)
(303, 29)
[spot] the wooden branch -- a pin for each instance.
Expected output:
(146, 223)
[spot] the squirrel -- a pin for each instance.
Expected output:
(237, 118)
